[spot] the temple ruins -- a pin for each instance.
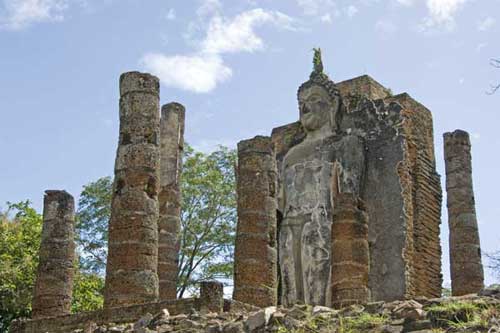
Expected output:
(169, 223)
(465, 251)
(359, 201)
(54, 278)
(340, 207)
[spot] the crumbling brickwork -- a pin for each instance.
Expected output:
(54, 280)
(363, 86)
(350, 252)
(169, 224)
(426, 279)
(467, 275)
(255, 267)
(131, 272)
(211, 296)
(401, 189)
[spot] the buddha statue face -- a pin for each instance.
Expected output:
(317, 108)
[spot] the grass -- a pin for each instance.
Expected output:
(462, 315)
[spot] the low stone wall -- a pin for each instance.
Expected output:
(85, 320)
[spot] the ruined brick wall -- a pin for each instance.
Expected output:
(467, 274)
(363, 85)
(350, 252)
(131, 272)
(255, 267)
(169, 224)
(427, 197)
(386, 193)
(54, 279)
(402, 189)
(84, 320)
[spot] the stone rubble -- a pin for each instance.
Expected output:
(422, 316)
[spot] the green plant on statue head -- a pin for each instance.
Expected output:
(317, 61)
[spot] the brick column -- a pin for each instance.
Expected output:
(211, 296)
(131, 272)
(255, 266)
(465, 251)
(169, 224)
(350, 252)
(54, 281)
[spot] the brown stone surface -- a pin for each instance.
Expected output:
(211, 296)
(467, 275)
(426, 197)
(350, 252)
(401, 190)
(169, 224)
(363, 85)
(131, 272)
(255, 267)
(54, 280)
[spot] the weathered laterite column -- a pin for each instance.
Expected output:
(465, 251)
(211, 296)
(131, 272)
(255, 266)
(350, 252)
(54, 280)
(169, 224)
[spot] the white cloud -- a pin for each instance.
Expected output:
(351, 11)
(171, 14)
(441, 14)
(197, 73)
(443, 11)
(238, 35)
(19, 14)
(201, 71)
(486, 24)
(327, 18)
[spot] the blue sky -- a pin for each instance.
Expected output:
(236, 66)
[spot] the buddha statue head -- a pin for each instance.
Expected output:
(319, 99)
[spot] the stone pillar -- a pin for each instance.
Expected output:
(131, 272)
(211, 296)
(255, 265)
(54, 281)
(350, 252)
(169, 224)
(465, 251)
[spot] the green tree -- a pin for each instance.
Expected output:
(87, 292)
(20, 230)
(94, 209)
(208, 218)
(20, 233)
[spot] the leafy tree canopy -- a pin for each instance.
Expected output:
(208, 219)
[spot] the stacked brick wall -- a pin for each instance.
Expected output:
(131, 272)
(426, 278)
(350, 252)
(255, 267)
(467, 274)
(363, 85)
(54, 280)
(169, 224)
